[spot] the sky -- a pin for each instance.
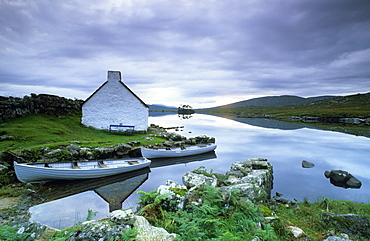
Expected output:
(202, 53)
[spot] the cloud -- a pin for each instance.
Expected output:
(207, 52)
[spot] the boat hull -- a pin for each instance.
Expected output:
(177, 152)
(64, 171)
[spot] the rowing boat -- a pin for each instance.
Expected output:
(40, 172)
(177, 151)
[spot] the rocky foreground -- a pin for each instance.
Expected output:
(251, 180)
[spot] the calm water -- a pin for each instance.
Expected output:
(284, 145)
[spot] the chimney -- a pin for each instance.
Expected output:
(114, 76)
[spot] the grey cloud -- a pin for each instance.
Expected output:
(254, 46)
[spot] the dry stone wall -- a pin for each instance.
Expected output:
(14, 107)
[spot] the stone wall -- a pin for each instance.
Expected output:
(14, 107)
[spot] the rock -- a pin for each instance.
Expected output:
(99, 230)
(307, 164)
(342, 179)
(353, 182)
(36, 230)
(257, 177)
(335, 238)
(232, 180)
(133, 143)
(351, 224)
(122, 149)
(7, 138)
(176, 198)
(54, 154)
(122, 217)
(3, 168)
(194, 180)
(278, 194)
(297, 232)
(247, 190)
(146, 232)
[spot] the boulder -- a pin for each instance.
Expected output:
(176, 195)
(122, 217)
(252, 177)
(36, 230)
(307, 164)
(344, 179)
(194, 180)
(147, 232)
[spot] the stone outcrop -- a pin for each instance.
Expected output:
(12, 107)
(344, 179)
(253, 179)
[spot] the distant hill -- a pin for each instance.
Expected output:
(273, 101)
(157, 107)
(356, 100)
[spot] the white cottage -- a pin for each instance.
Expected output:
(114, 103)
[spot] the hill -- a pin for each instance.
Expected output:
(272, 101)
(162, 108)
(322, 106)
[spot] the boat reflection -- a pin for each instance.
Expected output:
(160, 162)
(113, 189)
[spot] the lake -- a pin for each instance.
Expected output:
(285, 145)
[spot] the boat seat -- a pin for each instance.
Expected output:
(47, 165)
(183, 148)
(75, 165)
(101, 164)
(133, 162)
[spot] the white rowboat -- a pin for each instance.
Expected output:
(177, 151)
(39, 172)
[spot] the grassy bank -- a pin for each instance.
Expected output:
(44, 130)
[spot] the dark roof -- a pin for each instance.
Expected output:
(123, 85)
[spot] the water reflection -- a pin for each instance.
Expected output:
(284, 145)
(66, 202)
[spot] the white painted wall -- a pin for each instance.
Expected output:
(114, 104)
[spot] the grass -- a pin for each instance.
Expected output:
(308, 216)
(35, 131)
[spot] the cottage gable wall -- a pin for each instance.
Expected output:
(113, 104)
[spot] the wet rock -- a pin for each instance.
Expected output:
(307, 164)
(342, 179)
